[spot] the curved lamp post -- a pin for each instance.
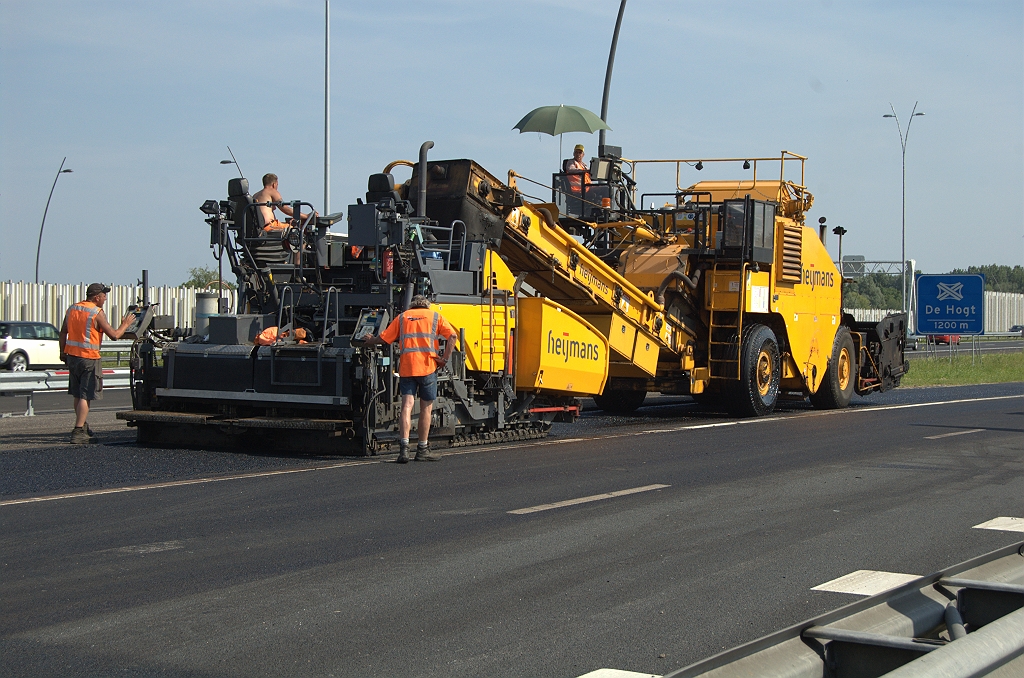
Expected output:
(608, 75)
(903, 145)
(233, 162)
(39, 245)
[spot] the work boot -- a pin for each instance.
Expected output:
(423, 454)
(92, 436)
(79, 436)
(403, 454)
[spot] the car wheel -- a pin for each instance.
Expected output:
(17, 362)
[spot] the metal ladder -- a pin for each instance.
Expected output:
(725, 332)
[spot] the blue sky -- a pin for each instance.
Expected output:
(142, 97)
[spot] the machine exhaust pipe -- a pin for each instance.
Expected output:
(421, 203)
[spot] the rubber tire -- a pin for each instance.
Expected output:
(618, 401)
(18, 362)
(757, 391)
(831, 394)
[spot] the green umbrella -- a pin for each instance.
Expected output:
(559, 120)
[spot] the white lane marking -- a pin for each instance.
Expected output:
(181, 483)
(513, 446)
(618, 673)
(954, 433)
(584, 500)
(866, 582)
(1003, 523)
(155, 547)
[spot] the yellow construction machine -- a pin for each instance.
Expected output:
(722, 292)
(744, 300)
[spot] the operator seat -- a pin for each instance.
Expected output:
(381, 187)
(266, 248)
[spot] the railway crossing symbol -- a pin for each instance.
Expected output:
(950, 304)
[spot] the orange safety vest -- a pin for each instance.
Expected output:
(84, 334)
(574, 174)
(416, 332)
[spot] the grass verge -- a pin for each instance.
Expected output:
(990, 369)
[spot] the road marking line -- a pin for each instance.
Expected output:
(481, 449)
(618, 673)
(584, 500)
(866, 582)
(1003, 523)
(695, 427)
(181, 483)
(144, 549)
(954, 433)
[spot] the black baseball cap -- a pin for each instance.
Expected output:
(96, 288)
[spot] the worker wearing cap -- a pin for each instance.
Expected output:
(80, 337)
(417, 331)
(577, 173)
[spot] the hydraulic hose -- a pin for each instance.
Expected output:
(678, 274)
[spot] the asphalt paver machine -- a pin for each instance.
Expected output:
(325, 392)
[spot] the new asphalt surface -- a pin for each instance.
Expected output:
(120, 559)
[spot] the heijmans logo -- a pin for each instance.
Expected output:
(816, 278)
(571, 348)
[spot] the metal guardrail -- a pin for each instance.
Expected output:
(913, 631)
(119, 347)
(29, 383)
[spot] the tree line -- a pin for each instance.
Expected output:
(882, 290)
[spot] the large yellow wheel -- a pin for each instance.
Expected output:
(837, 386)
(843, 372)
(764, 372)
(760, 371)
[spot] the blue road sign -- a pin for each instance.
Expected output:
(950, 304)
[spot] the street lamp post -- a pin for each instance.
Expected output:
(233, 162)
(607, 78)
(903, 145)
(39, 245)
(327, 106)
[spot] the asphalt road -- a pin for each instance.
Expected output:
(219, 564)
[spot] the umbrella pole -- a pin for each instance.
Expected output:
(559, 164)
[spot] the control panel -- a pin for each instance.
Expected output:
(143, 317)
(372, 321)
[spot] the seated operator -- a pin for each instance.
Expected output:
(271, 194)
(576, 170)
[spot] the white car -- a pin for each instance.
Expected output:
(28, 345)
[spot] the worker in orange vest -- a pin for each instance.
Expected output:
(81, 334)
(417, 331)
(577, 172)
